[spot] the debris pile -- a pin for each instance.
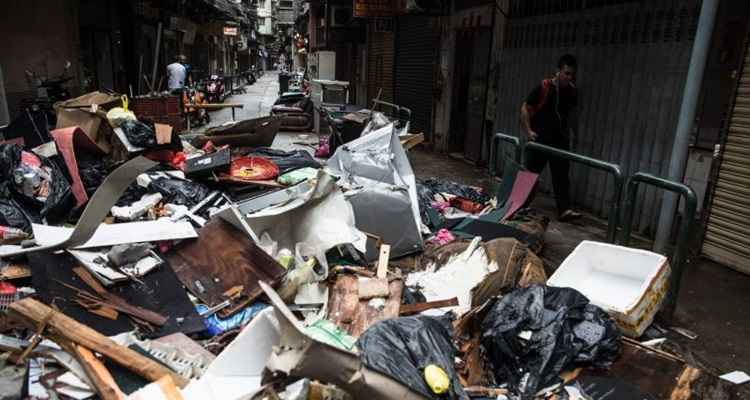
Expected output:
(139, 264)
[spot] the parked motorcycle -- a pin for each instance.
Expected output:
(215, 89)
(195, 94)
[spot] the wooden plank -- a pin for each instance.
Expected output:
(409, 309)
(217, 106)
(115, 302)
(60, 327)
(168, 388)
(14, 271)
(103, 382)
(385, 253)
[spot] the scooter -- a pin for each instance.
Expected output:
(194, 95)
(215, 89)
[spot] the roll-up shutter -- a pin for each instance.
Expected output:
(727, 237)
(380, 59)
(416, 47)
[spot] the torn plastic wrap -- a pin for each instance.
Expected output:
(402, 347)
(382, 190)
(534, 333)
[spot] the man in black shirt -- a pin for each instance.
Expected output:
(545, 117)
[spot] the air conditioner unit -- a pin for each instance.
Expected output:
(340, 16)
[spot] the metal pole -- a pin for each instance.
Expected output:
(692, 90)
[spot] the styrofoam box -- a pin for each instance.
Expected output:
(628, 283)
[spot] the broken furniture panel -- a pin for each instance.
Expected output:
(221, 260)
(355, 315)
(159, 291)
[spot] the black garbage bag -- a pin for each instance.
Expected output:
(532, 334)
(412, 296)
(179, 191)
(402, 347)
(93, 171)
(59, 200)
(286, 160)
(12, 215)
(456, 189)
(139, 134)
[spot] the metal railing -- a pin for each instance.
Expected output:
(517, 148)
(679, 256)
(610, 168)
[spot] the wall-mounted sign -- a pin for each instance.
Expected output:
(376, 8)
(230, 31)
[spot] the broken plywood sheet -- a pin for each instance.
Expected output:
(346, 310)
(159, 291)
(224, 258)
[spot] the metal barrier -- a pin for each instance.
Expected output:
(680, 252)
(613, 169)
(516, 142)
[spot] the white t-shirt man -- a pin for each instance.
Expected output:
(177, 74)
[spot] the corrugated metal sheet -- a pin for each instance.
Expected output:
(727, 237)
(416, 47)
(380, 60)
(633, 60)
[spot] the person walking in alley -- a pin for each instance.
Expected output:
(545, 117)
(177, 74)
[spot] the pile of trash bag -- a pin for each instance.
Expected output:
(36, 183)
(534, 333)
(403, 348)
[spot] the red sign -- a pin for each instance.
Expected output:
(376, 8)
(230, 31)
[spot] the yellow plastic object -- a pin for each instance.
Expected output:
(118, 115)
(436, 379)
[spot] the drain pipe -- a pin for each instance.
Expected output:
(701, 46)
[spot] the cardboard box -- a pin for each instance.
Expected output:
(92, 120)
(628, 283)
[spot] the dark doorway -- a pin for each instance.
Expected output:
(469, 88)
